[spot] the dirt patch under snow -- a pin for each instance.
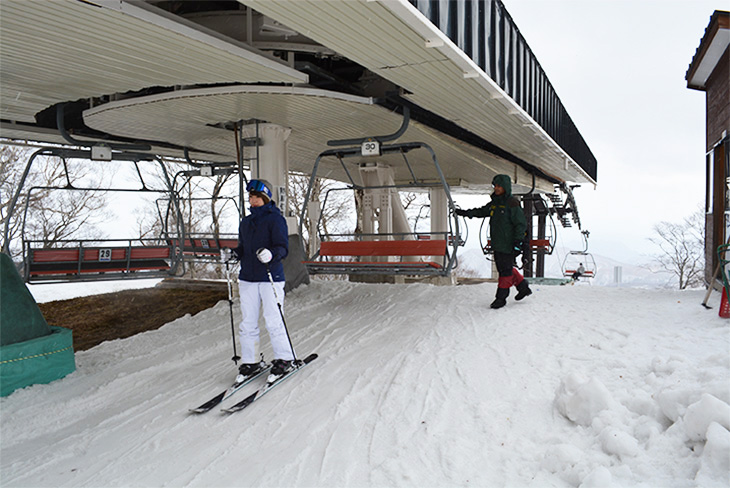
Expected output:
(98, 318)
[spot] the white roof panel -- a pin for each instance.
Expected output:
(65, 50)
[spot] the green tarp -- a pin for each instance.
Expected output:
(20, 318)
(31, 351)
(39, 360)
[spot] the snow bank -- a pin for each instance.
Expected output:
(655, 416)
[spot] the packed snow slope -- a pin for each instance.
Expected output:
(416, 386)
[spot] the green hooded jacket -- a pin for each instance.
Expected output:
(507, 223)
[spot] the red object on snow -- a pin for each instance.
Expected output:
(724, 305)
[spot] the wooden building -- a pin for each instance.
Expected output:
(710, 72)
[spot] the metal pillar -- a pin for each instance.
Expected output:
(529, 212)
(540, 262)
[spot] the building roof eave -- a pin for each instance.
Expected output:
(712, 46)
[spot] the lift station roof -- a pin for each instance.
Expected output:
(176, 74)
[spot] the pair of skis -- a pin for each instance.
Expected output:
(268, 386)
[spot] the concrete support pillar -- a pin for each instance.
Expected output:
(385, 213)
(439, 213)
(273, 162)
(313, 212)
(439, 216)
(398, 213)
(376, 202)
(382, 204)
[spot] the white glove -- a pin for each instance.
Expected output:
(264, 255)
(226, 255)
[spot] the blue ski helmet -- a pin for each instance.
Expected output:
(258, 186)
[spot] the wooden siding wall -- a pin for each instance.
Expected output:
(718, 101)
(717, 96)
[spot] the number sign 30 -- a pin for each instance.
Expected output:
(370, 148)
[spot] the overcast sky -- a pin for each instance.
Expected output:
(619, 67)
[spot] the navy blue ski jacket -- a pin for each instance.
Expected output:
(263, 227)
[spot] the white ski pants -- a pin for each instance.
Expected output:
(254, 296)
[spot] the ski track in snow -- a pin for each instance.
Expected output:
(415, 385)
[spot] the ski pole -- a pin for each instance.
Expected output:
(235, 357)
(265, 258)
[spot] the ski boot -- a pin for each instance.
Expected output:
(501, 298)
(247, 370)
(279, 367)
(523, 290)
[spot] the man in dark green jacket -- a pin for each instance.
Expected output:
(507, 225)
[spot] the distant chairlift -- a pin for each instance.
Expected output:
(574, 259)
(97, 259)
(386, 252)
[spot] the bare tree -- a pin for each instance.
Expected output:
(216, 208)
(10, 172)
(335, 212)
(53, 214)
(682, 246)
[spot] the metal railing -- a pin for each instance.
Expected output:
(485, 31)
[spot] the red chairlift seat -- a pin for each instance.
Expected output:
(568, 273)
(363, 249)
(46, 263)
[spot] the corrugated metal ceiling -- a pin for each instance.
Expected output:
(65, 50)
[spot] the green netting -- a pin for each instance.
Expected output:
(39, 360)
(20, 318)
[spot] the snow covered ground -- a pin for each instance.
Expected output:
(416, 385)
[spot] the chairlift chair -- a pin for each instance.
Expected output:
(390, 252)
(93, 259)
(574, 259)
(199, 247)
